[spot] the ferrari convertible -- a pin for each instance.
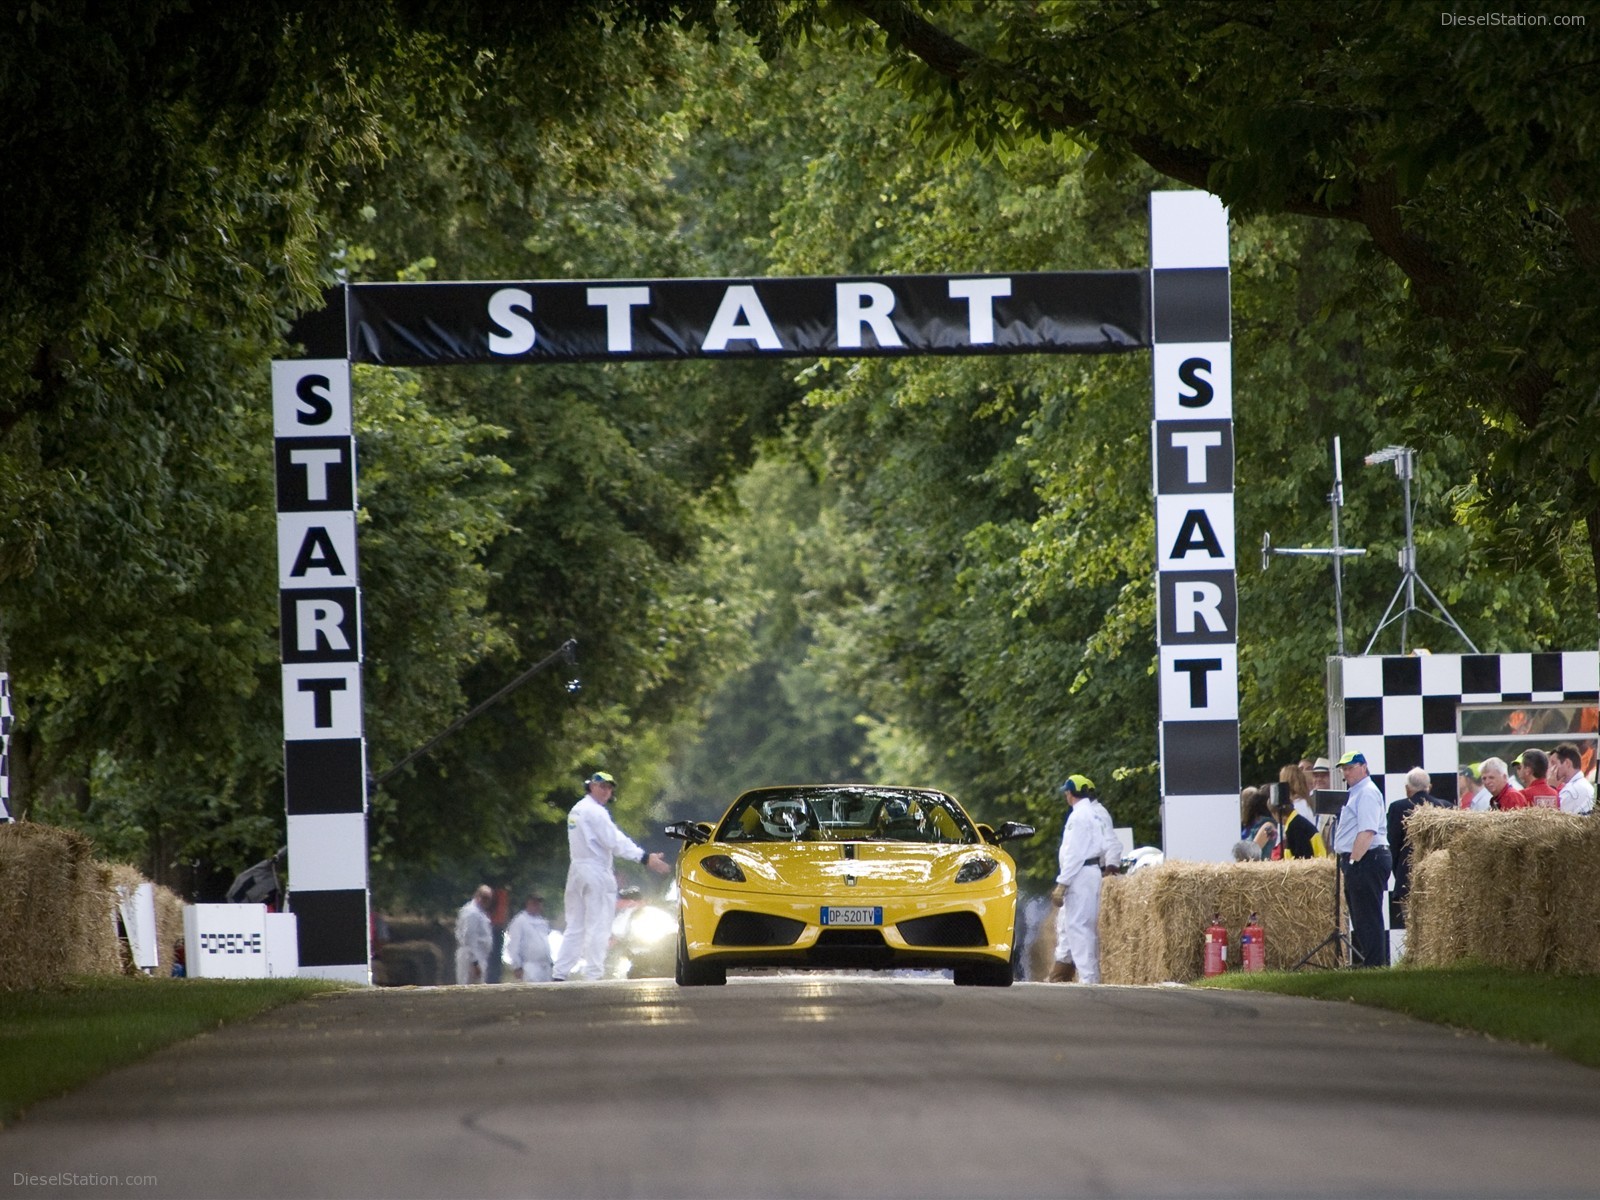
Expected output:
(846, 877)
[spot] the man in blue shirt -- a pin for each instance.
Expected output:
(1361, 840)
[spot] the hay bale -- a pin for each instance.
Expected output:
(169, 927)
(54, 901)
(1517, 889)
(96, 949)
(1152, 922)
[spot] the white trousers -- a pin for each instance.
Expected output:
(464, 961)
(536, 971)
(1078, 925)
(591, 908)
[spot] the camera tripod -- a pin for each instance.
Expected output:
(1338, 939)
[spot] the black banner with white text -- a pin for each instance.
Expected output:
(435, 324)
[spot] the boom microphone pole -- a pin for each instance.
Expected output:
(568, 651)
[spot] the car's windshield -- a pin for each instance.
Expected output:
(846, 814)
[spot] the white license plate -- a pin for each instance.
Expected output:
(860, 915)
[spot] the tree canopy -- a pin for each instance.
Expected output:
(1463, 151)
(935, 569)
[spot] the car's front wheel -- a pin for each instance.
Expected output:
(692, 974)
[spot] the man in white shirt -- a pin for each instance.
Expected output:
(474, 937)
(594, 840)
(528, 942)
(1566, 773)
(1361, 840)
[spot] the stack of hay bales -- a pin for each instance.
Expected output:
(1153, 921)
(1515, 889)
(57, 909)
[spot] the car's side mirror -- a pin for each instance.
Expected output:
(986, 833)
(697, 832)
(1012, 830)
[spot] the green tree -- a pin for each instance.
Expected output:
(1462, 152)
(178, 182)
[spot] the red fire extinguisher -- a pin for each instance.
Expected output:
(1216, 947)
(1253, 946)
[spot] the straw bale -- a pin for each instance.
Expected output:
(49, 887)
(1153, 921)
(1517, 889)
(95, 949)
(169, 927)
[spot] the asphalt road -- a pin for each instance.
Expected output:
(820, 1086)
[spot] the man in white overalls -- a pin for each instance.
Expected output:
(1086, 840)
(594, 840)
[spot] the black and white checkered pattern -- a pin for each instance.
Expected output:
(1192, 468)
(1401, 711)
(324, 752)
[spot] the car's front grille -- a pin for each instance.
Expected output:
(944, 929)
(850, 937)
(851, 949)
(756, 929)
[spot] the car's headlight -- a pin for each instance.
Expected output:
(976, 868)
(651, 925)
(722, 867)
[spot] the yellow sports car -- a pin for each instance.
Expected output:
(846, 876)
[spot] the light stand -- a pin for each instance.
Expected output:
(1328, 801)
(1404, 459)
(1336, 552)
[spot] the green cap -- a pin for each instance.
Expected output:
(1078, 785)
(1352, 758)
(602, 777)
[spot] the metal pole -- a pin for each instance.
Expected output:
(567, 650)
(1410, 566)
(1336, 497)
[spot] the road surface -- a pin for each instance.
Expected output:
(820, 1086)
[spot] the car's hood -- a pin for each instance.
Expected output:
(885, 868)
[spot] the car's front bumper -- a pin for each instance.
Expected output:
(741, 928)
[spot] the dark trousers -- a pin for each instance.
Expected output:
(1364, 883)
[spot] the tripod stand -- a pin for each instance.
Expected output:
(1328, 801)
(1404, 459)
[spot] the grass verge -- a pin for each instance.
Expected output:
(52, 1041)
(1558, 1012)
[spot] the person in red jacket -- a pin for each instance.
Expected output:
(1537, 789)
(1502, 793)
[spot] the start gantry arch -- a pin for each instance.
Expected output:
(1177, 308)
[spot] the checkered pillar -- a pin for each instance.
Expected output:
(1192, 465)
(5, 747)
(325, 774)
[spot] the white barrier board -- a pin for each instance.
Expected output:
(226, 941)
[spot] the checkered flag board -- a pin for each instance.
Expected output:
(1403, 711)
(5, 746)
